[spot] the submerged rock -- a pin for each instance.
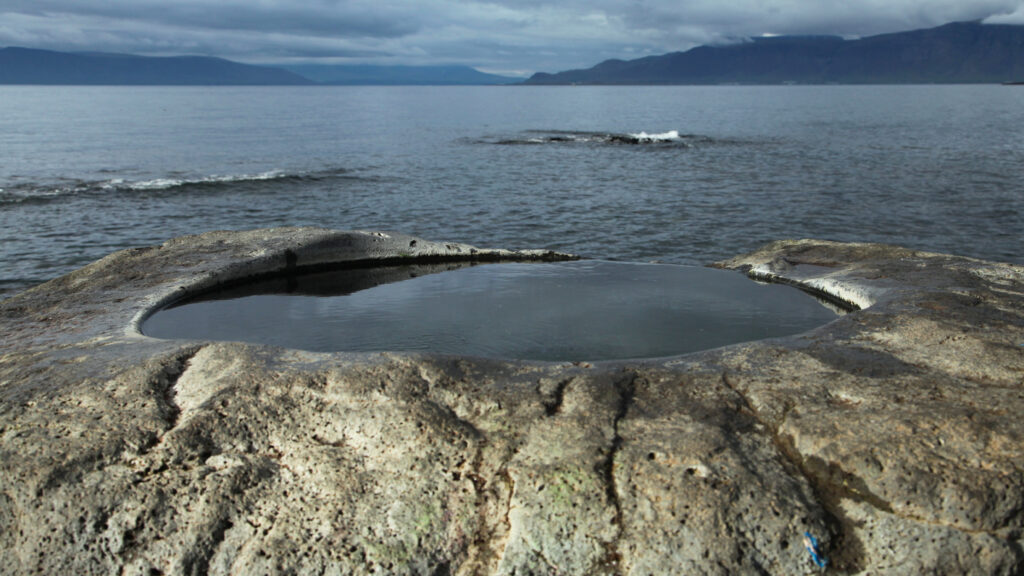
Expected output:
(892, 435)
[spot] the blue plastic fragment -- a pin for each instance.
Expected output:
(811, 543)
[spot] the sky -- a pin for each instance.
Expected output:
(512, 37)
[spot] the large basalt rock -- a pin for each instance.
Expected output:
(893, 434)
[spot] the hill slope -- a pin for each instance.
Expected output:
(398, 75)
(961, 52)
(30, 66)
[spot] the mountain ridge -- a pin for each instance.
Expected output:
(19, 65)
(958, 52)
(47, 67)
(375, 75)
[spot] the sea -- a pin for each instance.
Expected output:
(669, 174)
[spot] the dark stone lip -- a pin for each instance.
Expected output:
(236, 274)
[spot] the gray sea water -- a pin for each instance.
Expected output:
(673, 174)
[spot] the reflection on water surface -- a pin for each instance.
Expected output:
(586, 310)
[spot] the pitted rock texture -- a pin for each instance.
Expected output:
(892, 434)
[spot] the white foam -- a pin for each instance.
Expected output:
(167, 183)
(661, 137)
(157, 184)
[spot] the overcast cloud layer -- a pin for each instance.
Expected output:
(503, 36)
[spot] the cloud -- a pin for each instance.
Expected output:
(74, 32)
(1015, 17)
(358, 18)
(494, 34)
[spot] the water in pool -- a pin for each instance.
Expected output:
(585, 310)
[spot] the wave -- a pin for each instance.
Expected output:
(667, 139)
(40, 192)
(643, 137)
(169, 183)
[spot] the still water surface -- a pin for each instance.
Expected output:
(588, 310)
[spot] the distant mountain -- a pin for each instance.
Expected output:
(29, 66)
(962, 52)
(398, 75)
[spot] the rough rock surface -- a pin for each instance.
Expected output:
(893, 434)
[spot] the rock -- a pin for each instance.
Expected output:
(892, 434)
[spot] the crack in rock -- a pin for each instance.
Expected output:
(495, 529)
(494, 526)
(166, 383)
(626, 388)
(826, 495)
(553, 400)
(831, 482)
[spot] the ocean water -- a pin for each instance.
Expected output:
(672, 174)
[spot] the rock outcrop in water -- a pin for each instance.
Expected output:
(893, 435)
